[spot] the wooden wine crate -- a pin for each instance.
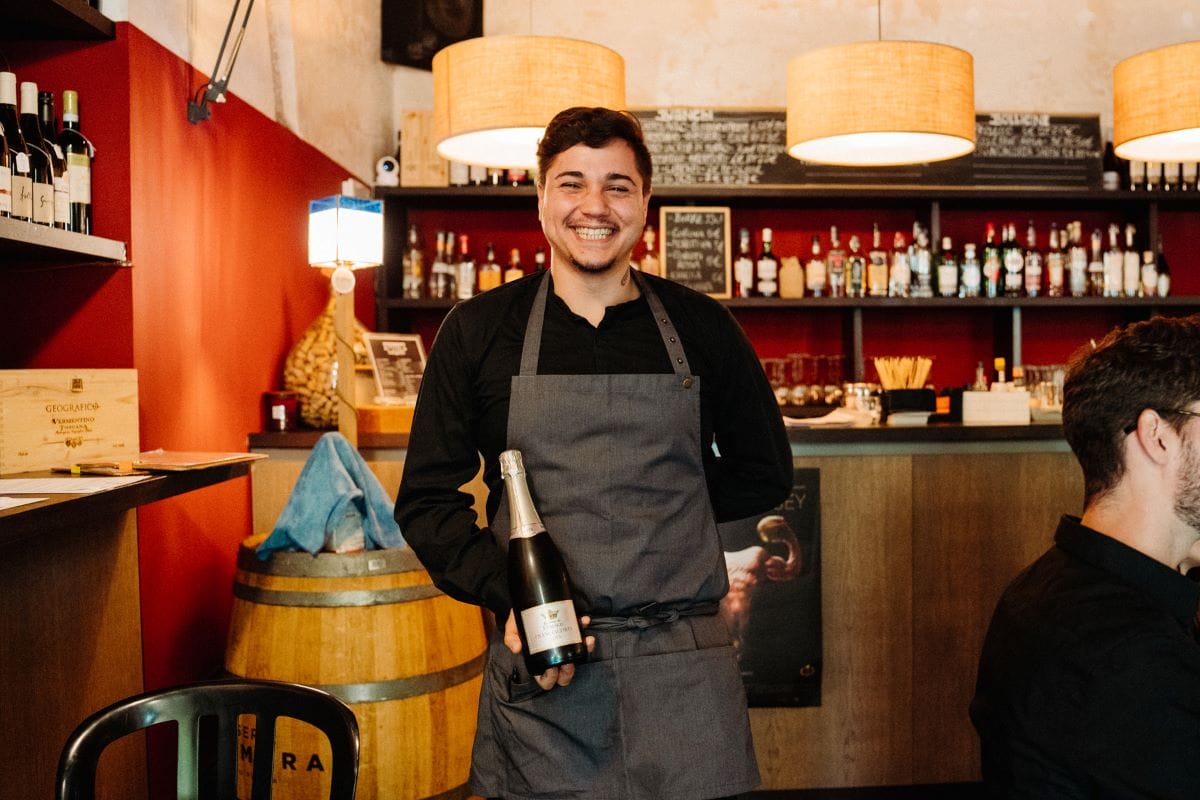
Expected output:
(420, 164)
(58, 417)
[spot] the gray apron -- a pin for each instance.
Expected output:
(658, 712)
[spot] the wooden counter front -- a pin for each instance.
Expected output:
(70, 634)
(921, 529)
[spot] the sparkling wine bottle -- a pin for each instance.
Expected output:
(537, 580)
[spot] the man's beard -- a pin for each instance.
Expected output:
(1187, 496)
(593, 269)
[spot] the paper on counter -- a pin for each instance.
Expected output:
(72, 485)
(13, 502)
(838, 418)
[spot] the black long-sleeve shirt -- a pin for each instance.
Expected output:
(1089, 682)
(462, 413)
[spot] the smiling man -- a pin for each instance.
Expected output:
(615, 386)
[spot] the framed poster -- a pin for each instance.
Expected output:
(773, 607)
(695, 247)
(398, 361)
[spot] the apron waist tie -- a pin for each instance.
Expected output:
(649, 615)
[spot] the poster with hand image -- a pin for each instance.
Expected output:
(773, 607)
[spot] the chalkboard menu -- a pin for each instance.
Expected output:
(695, 247)
(398, 360)
(704, 146)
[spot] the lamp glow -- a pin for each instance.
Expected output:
(881, 103)
(345, 232)
(494, 95)
(1156, 104)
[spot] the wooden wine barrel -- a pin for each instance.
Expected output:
(371, 629)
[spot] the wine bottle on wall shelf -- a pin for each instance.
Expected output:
(766, 268)
(20, 165)
(1033, 262)
(32, 113)
(41, 161)
(1131, 280)
(491, 274)
(413, 266)
(462, 275)
(538, 585)
(743, 267)
(80, 154)
(515, 271)
(5, 177)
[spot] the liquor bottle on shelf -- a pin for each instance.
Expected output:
(31, 127)
(80, 155)
(538, 585)
(791, 278)
(463, 272)
(1055, 264)
(515, 271)
(856, 269)
(478, 175)
(1110, 170)
(743, 267)
(999, 364)
(439, 288)
(921, 262)
(1171, 176)
(5, 177)
(1163, 287)
(1137, 176)
(947, 270)
(1077, 261)
(993, 269)
(1187, 181)
(490, 273)
(539, 259)
(1149, 286)
(900, 275)
(460, 174)
(1033, 263)
(649, 262)
(20, 164)
(1095, 267)
(1014, 262)
(766, 268)
(835, 261)
(412, 279)
(1114, 263)
(41, 168)
(877, 266)
(1131, 282)
(815, 274)
(1153, 176)
(970, 274)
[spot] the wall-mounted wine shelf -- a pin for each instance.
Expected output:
(54, 19)
(27, 245)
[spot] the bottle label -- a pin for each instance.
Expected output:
(43, 203)
(6, 191)
(816, 275)
(768, 272)
(743, 274)
(22, 196)
(466, 280)
(62, 202)
(489, 279)
(79, 178)
(550, 625)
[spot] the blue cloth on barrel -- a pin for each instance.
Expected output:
(336, 500)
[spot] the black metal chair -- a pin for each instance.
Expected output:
(207, 716)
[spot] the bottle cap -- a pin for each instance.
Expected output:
(511, 463)
(29, 97)
(8, 88)
(71, 103)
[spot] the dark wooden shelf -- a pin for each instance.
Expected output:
(899, 302)
(54, 19)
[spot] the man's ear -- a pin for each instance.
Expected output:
(1154, 435)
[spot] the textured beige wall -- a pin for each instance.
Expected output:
(314, 64)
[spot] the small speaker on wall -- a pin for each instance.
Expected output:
(413, 30)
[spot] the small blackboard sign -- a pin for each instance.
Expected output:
(398, 360)
(704, 146)
(695, 247)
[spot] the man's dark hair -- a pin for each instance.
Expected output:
(1152, 364)
(593, 127)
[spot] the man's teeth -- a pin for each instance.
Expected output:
(594, 233)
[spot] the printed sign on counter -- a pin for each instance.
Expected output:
(398, 360)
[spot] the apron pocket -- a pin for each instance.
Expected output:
(557, 742)
(686, 726)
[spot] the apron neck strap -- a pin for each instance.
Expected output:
(531, 347)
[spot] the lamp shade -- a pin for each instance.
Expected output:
(345, 232)
(881, 103)
(493, 96)
(1156, 104)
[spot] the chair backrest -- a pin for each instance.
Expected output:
(219, 702)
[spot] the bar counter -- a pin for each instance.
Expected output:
(921, 529)
(71, 631)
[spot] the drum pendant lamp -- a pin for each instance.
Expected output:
(494, 95)
(1156, 104)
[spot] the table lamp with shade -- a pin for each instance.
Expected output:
(344, 234)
